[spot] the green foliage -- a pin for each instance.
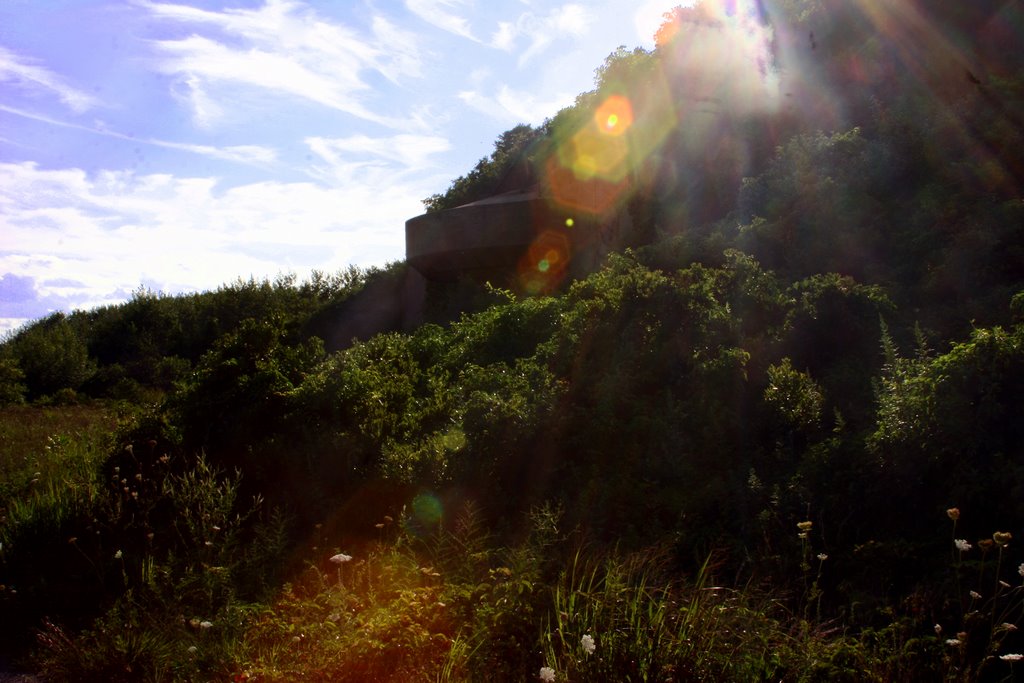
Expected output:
(512, 154)
(794, 396)
(52, 356)
(703, 395)
(215, 407)
(12, 382)
(165, 550)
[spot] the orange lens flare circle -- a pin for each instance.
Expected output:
(543, 265)
(614, 116)
(591, 195)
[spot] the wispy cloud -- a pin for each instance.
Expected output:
(243, 154)
(438, 13)
(26, 73)
(511, 106)
(282, 48)
(400, 154)
(570, 21)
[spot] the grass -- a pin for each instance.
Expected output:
(181, 576)
(40, 445)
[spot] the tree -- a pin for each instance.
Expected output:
(52, 356)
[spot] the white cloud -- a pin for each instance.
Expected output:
(511, 106)
(282, 48)
(410, 153)
(570, 21)
(505, 37)
(106, 233)
(191, 91)
(29, 75)
(649, 17)
(244, 154)
(437, 12)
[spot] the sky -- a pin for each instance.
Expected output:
(180, 145)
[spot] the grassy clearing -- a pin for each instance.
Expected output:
(185, 571)
(44, 444)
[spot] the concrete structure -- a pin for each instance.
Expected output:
(518, 239)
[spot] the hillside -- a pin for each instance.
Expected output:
(776, 435)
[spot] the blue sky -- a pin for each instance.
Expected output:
(179, 145)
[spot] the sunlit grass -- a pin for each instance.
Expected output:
(48, 463)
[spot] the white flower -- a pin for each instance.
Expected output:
(1011, 657)
(118, 555)
(938, 629)
(975, 595)
(1008, 626)
(341, 558)
(962, 545)
(547, 674)
(822, 556)
(588, 644)
(953, 641)
(205, 624)
(193, 649)
(1020, 569)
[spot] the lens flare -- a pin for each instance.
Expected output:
(426, 509)
(614, 116)
(592, 195)
(544, 264)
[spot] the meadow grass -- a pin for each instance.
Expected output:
(192, 593)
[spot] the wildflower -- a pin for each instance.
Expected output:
(215, 527)
(975, 595)
(138, 477)
(952, 642)
(1007, 626)
(118, 555)
(1011, 657)
(985, 544)
(1020, 569)
(193, 649)
(938, 629)
(205, 624)
(341, 558)
(953, 513)
(547, 674)
(208, 544)
(962, 545)
(588, 644)
(805, 526)
(1002, 538)
(165, 458)
(822, 556)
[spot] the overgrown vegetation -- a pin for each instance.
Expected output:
(779, 439)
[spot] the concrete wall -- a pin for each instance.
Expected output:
(510, 233)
